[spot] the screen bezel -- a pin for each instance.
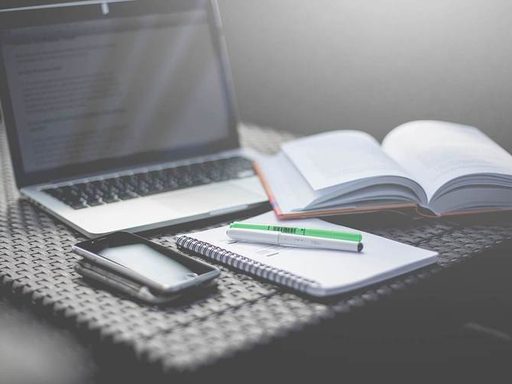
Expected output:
(65, 12)
(90, 249)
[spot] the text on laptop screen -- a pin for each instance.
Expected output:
(114, 87)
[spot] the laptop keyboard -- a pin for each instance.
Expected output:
(105, 191)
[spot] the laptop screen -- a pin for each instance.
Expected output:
(88, 94)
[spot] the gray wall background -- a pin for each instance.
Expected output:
(315, 65)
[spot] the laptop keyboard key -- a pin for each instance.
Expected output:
(80, 204)
(94, 203)
(127, 195)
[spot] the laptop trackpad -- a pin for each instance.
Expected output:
(207, 198)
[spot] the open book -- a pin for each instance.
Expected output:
(443, 167)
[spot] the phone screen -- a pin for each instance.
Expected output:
(162, 266)
(149, 262)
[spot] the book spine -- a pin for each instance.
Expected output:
(245, 264)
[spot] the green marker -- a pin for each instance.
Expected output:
(324, 233)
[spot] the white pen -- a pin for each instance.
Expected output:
(285, 239)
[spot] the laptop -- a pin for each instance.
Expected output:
(120, 114)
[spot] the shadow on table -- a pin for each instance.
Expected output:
(457, 323)
(35, 352)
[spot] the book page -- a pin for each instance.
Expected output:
(435, 152)
(333, 158)
(289, 188)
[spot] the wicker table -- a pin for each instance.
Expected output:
(36, 264)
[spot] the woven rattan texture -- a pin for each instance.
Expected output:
(36, 263)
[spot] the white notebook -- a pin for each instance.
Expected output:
(311, 271)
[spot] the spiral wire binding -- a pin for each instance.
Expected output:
(246, 264)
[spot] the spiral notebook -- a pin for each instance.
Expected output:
(314, 272)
